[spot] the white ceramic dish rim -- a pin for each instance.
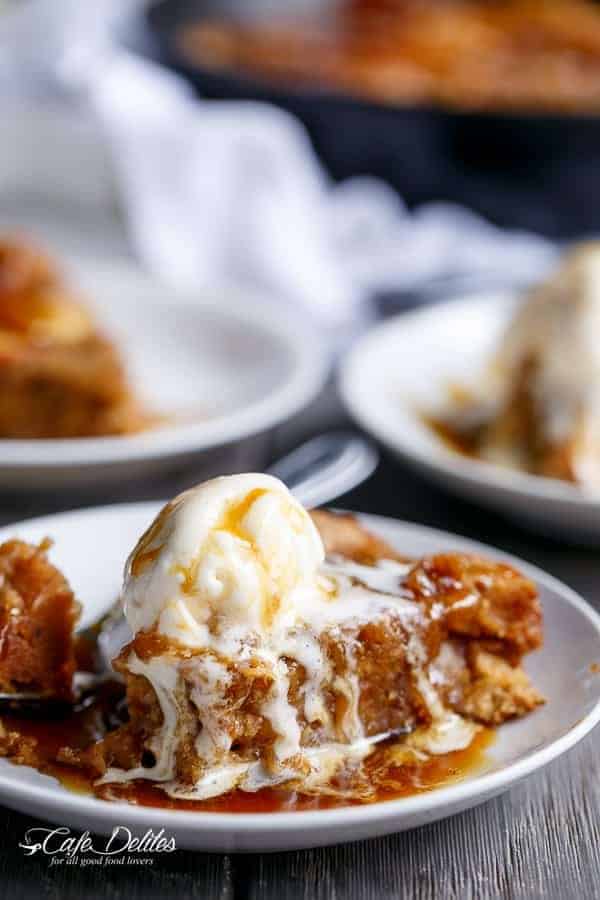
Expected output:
(300, 822)
(310, 370)
(439, 457)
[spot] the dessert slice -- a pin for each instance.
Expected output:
(468, 54)
(546, 378)
(38, 613)
(258, 659)
(59, 376)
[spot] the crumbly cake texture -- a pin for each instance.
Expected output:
(38, 613)
(59, 376)
(448, 658)
(57, 391)
(343, 535)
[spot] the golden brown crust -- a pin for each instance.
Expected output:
(59, 377)
(490, 604)
(38, 613)
(389, 697)
(483, 599)
(492, 612)
(343, 535)
(496, 690)
(24, 270)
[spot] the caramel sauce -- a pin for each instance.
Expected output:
(460, 441)
(82, 728)
(41, 742)
(436, 772)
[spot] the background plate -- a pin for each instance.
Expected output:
(405, 366)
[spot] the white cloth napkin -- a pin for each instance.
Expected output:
(233, 191)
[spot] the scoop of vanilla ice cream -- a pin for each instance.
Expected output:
(231, 556)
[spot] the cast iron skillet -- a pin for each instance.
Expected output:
(536, 172)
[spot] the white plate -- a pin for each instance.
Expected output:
(223, 365)
(405, 366)
(91, 546)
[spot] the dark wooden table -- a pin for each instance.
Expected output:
(541, 839)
